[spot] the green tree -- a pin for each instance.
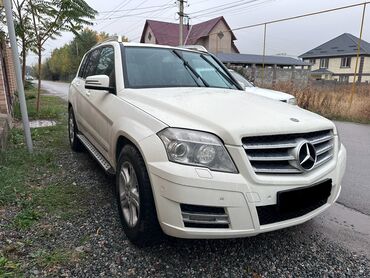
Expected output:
(23, 27)
(64, 61)
(50, 18)
(22, 22)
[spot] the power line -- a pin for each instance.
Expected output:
(237, 5)
(223, 6)
(233, 10)
(155, 15)
(128, 15)
(134, 9)
(109, 24)
(299, 16)
(132, 27)
(122, 4)
(293, 17)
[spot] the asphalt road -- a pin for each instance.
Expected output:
(348, 222)
(356, 182)
(59, 89)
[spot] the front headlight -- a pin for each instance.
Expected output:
(292, 101)
(196, 148)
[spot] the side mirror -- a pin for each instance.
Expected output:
(242, 85)
(98, 82)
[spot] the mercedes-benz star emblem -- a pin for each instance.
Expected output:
(306, 156)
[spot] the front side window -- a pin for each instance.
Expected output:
(324, 63)
(91, 63)
(106, 64)
(148, 67)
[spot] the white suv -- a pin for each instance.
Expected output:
(193, 155)
(250, 88)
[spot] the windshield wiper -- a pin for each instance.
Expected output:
(219, 71)
(189, 67)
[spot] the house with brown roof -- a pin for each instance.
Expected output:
(213, 34)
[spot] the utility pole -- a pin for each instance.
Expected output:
(357, 56)
(18, 73)
(181, 18)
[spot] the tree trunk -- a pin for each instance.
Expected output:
(39, 49)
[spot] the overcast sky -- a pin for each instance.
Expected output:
(292, 37)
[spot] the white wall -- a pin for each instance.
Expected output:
(152, 39)
(334, 66)
(215, 44)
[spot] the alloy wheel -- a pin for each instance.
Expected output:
(129, 194)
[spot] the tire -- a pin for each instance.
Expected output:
(135, 199)
(75, 143)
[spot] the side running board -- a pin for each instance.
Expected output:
(96, 154)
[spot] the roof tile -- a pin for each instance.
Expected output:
(345, 44)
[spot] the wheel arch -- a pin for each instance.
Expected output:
(123, 140)
(130, 131)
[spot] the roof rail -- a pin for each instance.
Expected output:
(116, 38)
(195, 47)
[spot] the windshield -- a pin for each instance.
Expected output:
(149, 67)
(241, 79)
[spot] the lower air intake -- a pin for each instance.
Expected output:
(204, 217)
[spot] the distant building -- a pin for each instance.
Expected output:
(213, 34)
(267, 70)
(250, 60)
(336, 60)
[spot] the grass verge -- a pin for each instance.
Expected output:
(333, 101)
(34, 188)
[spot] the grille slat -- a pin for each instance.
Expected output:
(276, 154)
(270, 157)
(278, 145)
(324, 149)
(321, 140)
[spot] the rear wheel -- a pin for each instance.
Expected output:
(135, 198)
(75, 143)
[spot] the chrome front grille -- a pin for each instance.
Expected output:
(277, 154)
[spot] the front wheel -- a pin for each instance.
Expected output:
(135, 198)
(75, 143)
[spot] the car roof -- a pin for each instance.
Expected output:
(136, 44)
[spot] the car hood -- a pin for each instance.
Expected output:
(276, 95)
(230, 114)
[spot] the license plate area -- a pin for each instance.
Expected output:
(303, 199)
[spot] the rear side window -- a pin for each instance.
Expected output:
(91, 63)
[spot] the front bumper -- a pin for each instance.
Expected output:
(239, 194)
